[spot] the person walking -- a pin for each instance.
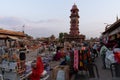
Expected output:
(95, 50)
(103, 51)
(22, 52)
(21, 67)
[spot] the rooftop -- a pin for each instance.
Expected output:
(10, 32)
(112, 27)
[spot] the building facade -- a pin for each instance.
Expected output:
(7, 37)
(112, 33)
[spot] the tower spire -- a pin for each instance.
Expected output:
(74, 4)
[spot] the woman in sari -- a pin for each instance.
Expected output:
(37, 69)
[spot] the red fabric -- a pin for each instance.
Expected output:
(36, 72)
(75, 59)
(83, 48)
(62, 54)
(117, 56)
(58, 56)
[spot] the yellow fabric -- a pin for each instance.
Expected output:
(81, 64)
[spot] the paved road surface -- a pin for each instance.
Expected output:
(105, 74)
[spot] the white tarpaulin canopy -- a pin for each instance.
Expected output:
(13, 37)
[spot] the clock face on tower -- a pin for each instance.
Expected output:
(73, 18)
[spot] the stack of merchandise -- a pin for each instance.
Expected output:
(61, 73)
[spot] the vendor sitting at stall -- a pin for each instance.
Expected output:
(116, 51)
(37, 69)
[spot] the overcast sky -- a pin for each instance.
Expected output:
(47, 17)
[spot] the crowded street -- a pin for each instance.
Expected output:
(50, 61)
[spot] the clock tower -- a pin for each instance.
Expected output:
(74, 30)
(74, 34)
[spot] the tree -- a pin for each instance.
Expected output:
(61, 36)
(65, 34)
(52, 38)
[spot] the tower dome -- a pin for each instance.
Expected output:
(74, 7)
